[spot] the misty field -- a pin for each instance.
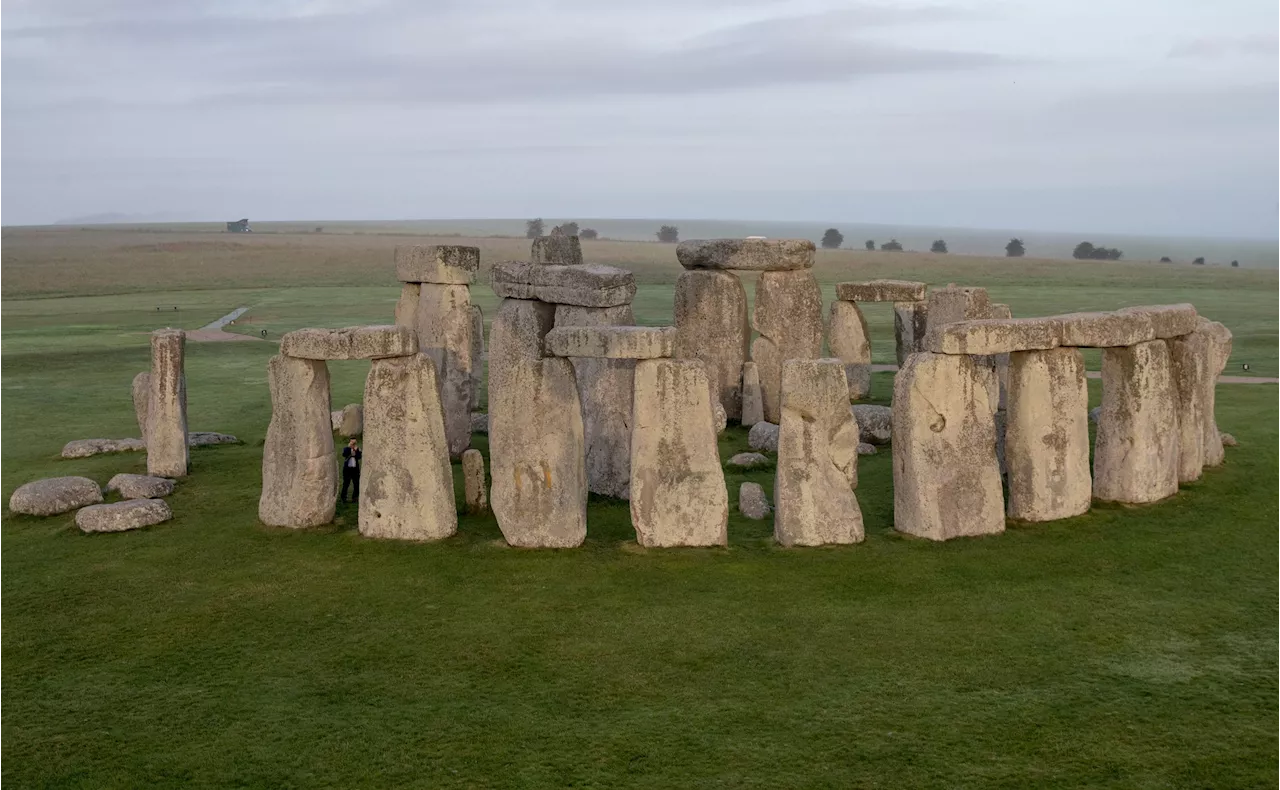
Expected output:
(1130, 647)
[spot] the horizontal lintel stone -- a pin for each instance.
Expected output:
(1167, 320)
(881, 291)
(754, 255)
(354, 342)
(441, 264)
(591, 285)
(612, 342)
(995, 336)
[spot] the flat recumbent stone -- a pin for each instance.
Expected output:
(756, 255)
(611, 342)
(354, 342)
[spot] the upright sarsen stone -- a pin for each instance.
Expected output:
(1219, 352)
(167, 452)
(536, 448)
(299, 473)
(557, 249)
(1190, 357)
(1047, 435)
(711, 325)
(142, 401)
(752, 400)
(910, 321)
(477, 355)
(406, 479)
(946, 478)
(788, 316)
(1135, 456)
(444, 327)
(849, 341)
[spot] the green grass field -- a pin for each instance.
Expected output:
(1130, 647)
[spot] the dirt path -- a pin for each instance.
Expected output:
(213, 332)
(1094, 374)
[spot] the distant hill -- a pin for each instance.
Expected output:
(115, 218)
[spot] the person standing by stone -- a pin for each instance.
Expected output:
(351, 457)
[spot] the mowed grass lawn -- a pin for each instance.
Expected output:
(1131, 647)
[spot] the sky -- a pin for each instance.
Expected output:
(1121, 116)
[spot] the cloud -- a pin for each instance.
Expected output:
(1254, 45)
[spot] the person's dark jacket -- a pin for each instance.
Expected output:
(346, 453)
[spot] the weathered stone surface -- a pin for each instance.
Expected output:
(406, 481)
(678, 493)
(1229, 441)
(352, 421)
(606, 390)
(758, 255)
(995, 336)
(140, 486)
(1046, 443)
(875, 423)
(752, 399)
(951, 304)
(763, 436)
(589, 285)
(353, 342)
(849, 340)
(719, 417)
(123, 516)
(54, 495)
(1219, 353)
(747, 460)
(1105, 330)
(711, 325)
(142, 401)
(611, 342)
(752, 502)
(946, 478)
(475, 488)
(477, 355)
(1094, 414)
(1166, 320)
(444, 325)
(910, 322)
(441, 264)
(999, 310)
(788, 316)
(299, 472)
(1135, 457)
(1189, 355)
(407, 305)
(83, 448)
(556, 249)
(866, 449)
(479, 422)
(167, 452)
(335, 419)
(881, 291)
(204, 438)
(817, 457)
(536, 448)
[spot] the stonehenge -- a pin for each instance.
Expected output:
(712, 325)
(1136, 453)
(167, 450)
(1046, 445)
(788, 316)
(847, 333)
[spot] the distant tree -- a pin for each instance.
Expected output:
(668, 234)
(569, 229)
(1198, 262)
(892, 245)
(1166, 259)
(938, 246)
(869, 244)
(533, 228)
(589, 233)
(832, 239)
(1015, 249)
(1235, 264)
(1086, 251)
(1083, 251)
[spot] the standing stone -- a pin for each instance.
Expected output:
(1219, 353)
(407, 306)
(1135, 457)
(352, 422)
(406, 480)
(951, 304)
(605, 389)
(1001, 360)
(536, 446)
(946, 478)
(817, 457)
(299, 473)
(475, 492)
(443, 264)
(711, 325)
(444, 324)
(1047, 435)
(752, 399)
(142, 401)
(678, 493)
(477, 355)
(1190, 357)
(850, 342)
(910, 321)
(556, 250)
(788, 316)
(167, 453)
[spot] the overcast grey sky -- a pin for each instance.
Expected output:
(1141, 116)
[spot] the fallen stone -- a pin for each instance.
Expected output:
(477, 355)
(406, 479)
(1229, 441)
(881, 291)
(817, 457)
(475, 491)
(1094, 413)
(204, 438)
(479, 422)
(123, 516)
(444, 325)
(1135, 457)
(354, 342)
(1046, 444)
(946, 477)
(1168, 320)
(875, 423)
(719, 417)
(1219, 352)
(1189, 355)
(54, 495)
(910, 322)
(752, 502)
(788, 316)
(611, 342)
(866, 449)
(83, 448)
(167, 450)
(1105, 330)
(748, 460)
(444, 265)
(352, 421)
(752, 400)
(995, 336)
(142, 401)
(678, 493)
(763, 436)
(849, 340)
(711, 325)
(140, 486)
(589, 285)
(299, 473)
(757, 255)
(557, 249)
